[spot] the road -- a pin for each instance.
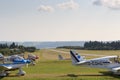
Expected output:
(60, 51)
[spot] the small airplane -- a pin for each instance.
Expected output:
(109, 62)
(17, 64)
(9, 58)
(30, 57)
(33, 58)
(1, 57)
(60, 57)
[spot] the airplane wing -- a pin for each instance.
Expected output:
(83, 62)
(5, 67)
(117, 69)
(107, 57)
(95, 59)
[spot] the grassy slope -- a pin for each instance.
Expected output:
(49, 68)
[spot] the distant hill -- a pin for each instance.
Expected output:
(55, 44)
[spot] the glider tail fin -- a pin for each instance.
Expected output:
(60, 57)
(75, 57)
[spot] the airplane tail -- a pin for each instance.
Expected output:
(1, 56)
(60, 57)
(75, 57)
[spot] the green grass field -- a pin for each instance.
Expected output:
(50, 68)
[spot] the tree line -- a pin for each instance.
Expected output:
(96, 45)
(13, 48)
(71, 47)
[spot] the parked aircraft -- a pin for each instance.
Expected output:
(30, 57)
(60, 57)
(109, 62)
(8, 58)
(17, 64)
(33, 58)
(1, 57)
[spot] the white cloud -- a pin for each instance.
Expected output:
(69, 5)
(45, 8)
(113, 4)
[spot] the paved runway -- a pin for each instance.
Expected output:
(60, 51)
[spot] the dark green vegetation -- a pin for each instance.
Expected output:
(13, 48)
(48, 67)
(71, 47)
(96, 45)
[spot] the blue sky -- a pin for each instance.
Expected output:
(59, 20)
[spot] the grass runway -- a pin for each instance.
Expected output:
(48, 67)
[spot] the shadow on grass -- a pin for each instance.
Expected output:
(1, 78)
(10, 76)
(110, 74)
(74, 75)
(93, 75)
(15, 75)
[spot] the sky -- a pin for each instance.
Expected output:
(59, 20)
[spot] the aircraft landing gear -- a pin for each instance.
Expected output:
(3, 74)
(21, 72)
